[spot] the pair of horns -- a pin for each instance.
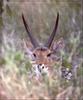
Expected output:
(33, 40)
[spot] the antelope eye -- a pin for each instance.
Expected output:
(34, 54)
(48, 55)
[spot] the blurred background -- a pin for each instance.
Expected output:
(40, 16)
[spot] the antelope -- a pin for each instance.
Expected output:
(42, 54)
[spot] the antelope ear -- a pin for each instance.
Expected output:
(58, 45)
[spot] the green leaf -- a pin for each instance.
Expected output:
(28, 66)
(2, 61)
(9, 12)
(1, 22)
(18, 56)
(66, 64)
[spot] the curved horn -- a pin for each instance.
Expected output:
(33, 40)
(50, 39)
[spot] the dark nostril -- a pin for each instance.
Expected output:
(34, 54)
(39, 67)
(43, 67)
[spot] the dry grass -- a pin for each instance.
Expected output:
(18, 80)
(17, 77)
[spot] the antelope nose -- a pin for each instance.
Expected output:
(43, 69)
(40, 67)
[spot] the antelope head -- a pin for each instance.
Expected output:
(42, 53)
